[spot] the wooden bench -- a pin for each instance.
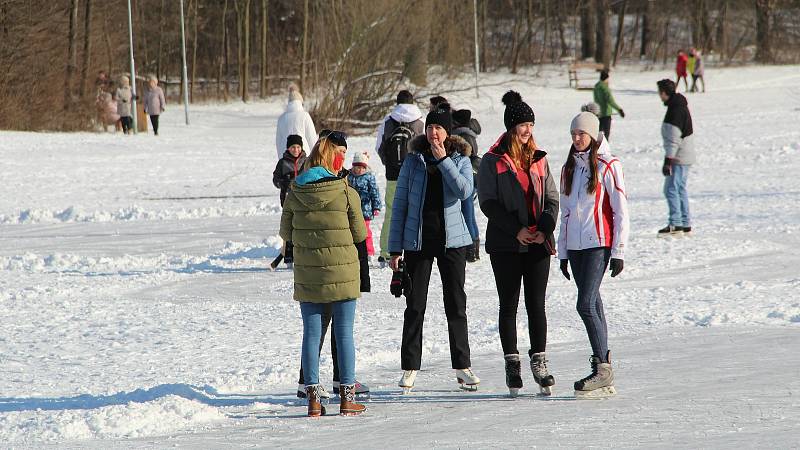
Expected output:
(583, 70)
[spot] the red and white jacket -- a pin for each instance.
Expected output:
(599, 219)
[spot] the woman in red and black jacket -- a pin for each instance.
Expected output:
(517, 193)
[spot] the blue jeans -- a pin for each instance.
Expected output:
(588, 268)
(677, 196)
(344, 313)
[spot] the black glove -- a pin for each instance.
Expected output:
(616, 266)
(565, 268)
(398, 280)
(477, 243)
(622, 113)
(666, 169)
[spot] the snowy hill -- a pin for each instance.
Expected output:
(139, 310)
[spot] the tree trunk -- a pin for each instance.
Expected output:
(620, 30)
(588, 37)
(71, 53)
(87, 47)
(223, 57)
(239, 47)
(482, 23)
(160, 57)
(764, 10)
(722, 31)
(194, 54)
(246, 68)
(647, 16)
(603, 51)
(305, 48)
(264, 36)
(107, 39)
(561, 19)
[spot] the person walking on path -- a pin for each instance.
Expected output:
(518, 195)
(363, 181)
(698, 71)
(322, 218)
(397, 129)
(124, 97)
(680, 70)
(154, 102)
(594, 230)
(679, 155)
(428, 224)
(605, 99)
(295, 120)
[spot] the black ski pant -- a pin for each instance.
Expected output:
(327, 319)
(605, 126)
(452, 265)
(532, 270)
(154, 122)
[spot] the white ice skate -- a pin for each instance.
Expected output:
(467, 380)
(407, 380)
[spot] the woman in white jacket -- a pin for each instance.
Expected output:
(295, 120)
(594, 229)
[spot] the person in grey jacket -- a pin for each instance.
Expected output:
(678, 136)
(427, 224)
(467, 127)
(124, 97)
(154, 102)
(401, 125)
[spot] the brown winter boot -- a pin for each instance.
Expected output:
(315, 408)
(348, 405)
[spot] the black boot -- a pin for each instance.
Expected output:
(513, 374)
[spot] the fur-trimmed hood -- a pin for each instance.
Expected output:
(452, 144)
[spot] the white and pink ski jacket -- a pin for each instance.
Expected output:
(599, 219)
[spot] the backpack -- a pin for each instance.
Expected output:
(395, 148)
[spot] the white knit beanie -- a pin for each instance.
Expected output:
(294, 93)
(361, 159)
(591, 107)
(588, 123)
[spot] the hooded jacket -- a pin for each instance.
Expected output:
(599, 219)
(605, 99)
(295, 120)
(402, 113)
(154, 103)
(322, 217)
(503, 200)
(124, 96)
(677, 131)
(367, 187)
(287, 169)
(409, 201)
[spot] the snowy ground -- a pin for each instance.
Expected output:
(139, 312)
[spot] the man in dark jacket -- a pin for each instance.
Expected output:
(679, 155)
(468, 128)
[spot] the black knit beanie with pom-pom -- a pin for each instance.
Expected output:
(441, 116)
(517, 111)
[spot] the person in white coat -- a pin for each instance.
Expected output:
(295, 120)
(594, 230)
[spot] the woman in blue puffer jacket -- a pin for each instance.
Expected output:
(427, 224)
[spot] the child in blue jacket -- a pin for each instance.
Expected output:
(363, 181)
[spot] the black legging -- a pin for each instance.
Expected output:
(154, 121)
(532, 269)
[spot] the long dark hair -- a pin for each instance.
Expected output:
(569, 169)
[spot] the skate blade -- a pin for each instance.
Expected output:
(407, 389)
(468, 387)
(545, 391)
(513, 392)
(596, 394)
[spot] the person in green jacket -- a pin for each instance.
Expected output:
(604, 98)
(322, 217)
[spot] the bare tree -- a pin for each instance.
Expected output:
(304, 56)
(620, 31)
(588, 35)
(71, 54)
(603, 50)
(87, 46)
(764, 10)
(262, 92)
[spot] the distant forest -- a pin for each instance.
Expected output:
(351, 55)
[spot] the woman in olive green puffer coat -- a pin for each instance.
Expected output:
(322, 217)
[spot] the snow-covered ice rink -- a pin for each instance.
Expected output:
(138, 310)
